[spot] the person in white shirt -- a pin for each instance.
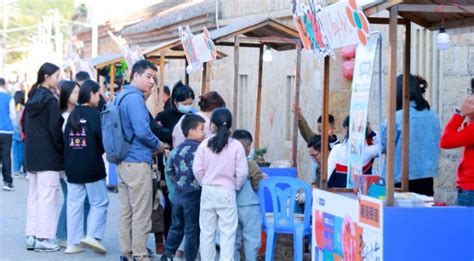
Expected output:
(338, 158)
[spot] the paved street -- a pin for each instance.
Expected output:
(12, 230)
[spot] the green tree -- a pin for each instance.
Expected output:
(25, 15)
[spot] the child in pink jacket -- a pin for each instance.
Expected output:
(220, 166)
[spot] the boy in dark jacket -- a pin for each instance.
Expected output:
(187, 197)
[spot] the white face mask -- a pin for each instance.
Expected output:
(184, 108)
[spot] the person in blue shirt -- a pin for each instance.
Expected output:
(134, 172)
(7, 116)
(424, 136)
(248, 207)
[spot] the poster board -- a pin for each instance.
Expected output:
(197, 48)
(361, 85)
(346, 228)
(131, 56)
(324, 29)
(85, 65)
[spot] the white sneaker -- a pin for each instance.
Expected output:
(94, 244)
(74, 249)
(45, 246)
(30, 243)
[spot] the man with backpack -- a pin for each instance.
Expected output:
(133, 153)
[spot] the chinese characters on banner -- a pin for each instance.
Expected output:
(324, 29)
(346, 228)
(361, 84)
(197, 48)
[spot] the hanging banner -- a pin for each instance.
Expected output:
(325, 29)
(197, 48)
(346, 228)
(85, 65)
(131, 56)
(361, 85)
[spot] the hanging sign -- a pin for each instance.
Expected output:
(361, 84)
(335, 26)
(131, 56)
(197, 48)
(85, 65)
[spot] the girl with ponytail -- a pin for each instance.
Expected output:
(85, 172)
(220, 166)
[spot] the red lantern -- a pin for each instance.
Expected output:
(348, 52)
(348, 69)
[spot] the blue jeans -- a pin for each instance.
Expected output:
(249, 232)
(466, 198)
(99, 201)
(18, 148)
(61, 232)
(185, 221)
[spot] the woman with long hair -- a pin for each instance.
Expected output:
(44, 146)
(85, 172)
(68, 95)
(424, 135)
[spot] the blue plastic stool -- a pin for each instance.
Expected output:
(283, 205)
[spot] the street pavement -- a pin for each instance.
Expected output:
(12, 230)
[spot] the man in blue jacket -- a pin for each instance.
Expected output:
(135, 174)
(7, 116)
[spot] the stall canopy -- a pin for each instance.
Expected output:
(428, 14)
(254, 33)
(257, 33)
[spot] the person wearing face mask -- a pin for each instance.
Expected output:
(208, 103)
(182, 99)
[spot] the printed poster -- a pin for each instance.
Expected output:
(197, 48)
(346, 228)
(324, 29)
(361, 84)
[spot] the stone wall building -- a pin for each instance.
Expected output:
(448, 73)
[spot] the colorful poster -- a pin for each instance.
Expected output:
(324, 29)
(197, 48)
(361, 84)
(341, 230)
(85, 65)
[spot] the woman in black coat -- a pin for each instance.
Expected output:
(44, 160)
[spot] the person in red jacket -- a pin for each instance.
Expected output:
(460, 133)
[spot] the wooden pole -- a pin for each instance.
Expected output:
(406, 109)
(392, 94)
(259, 96)
(112, 81)
(186, 75)
(236, 82)
(162, 82)
(206, 78)
(294, 149)
(325, 120)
